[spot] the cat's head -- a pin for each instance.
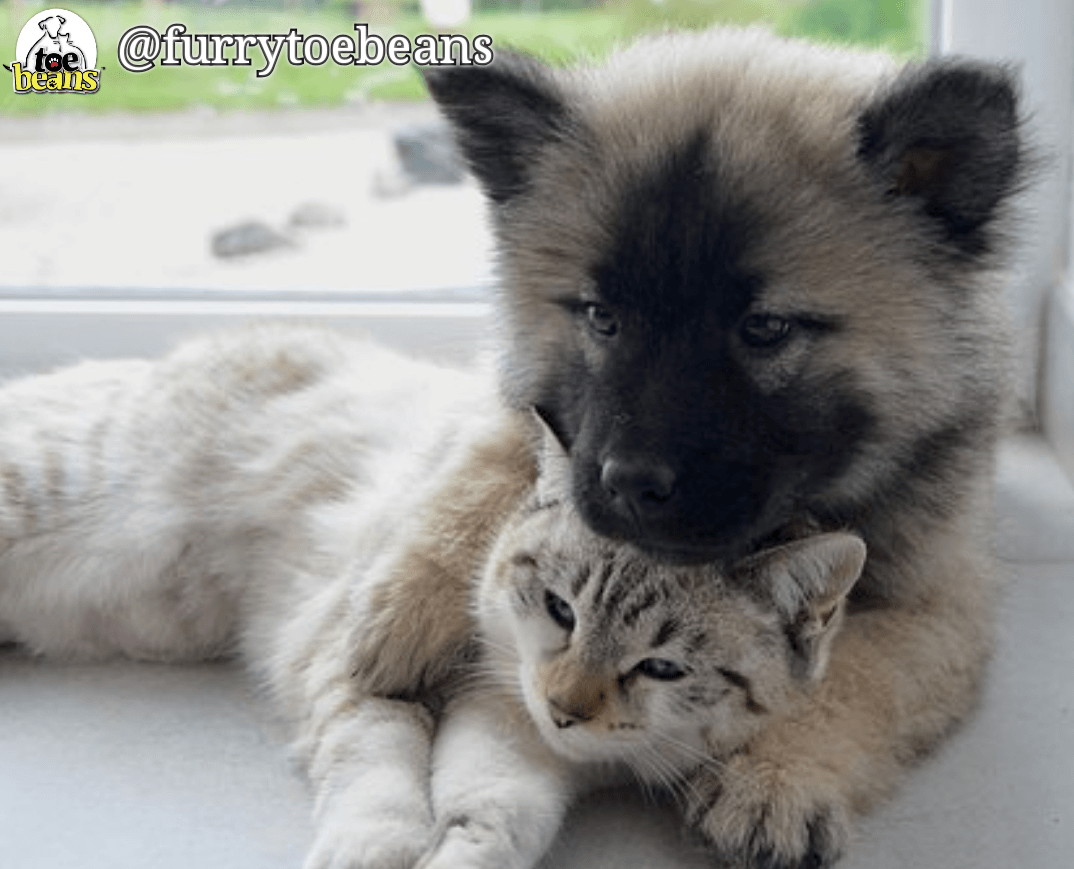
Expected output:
(621, 657)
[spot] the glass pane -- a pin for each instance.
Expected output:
(279, 176)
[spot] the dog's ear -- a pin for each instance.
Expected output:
(807, 582)
(503, 114)
(946, 134)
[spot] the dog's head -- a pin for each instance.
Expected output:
(742, 277)
(51, 25)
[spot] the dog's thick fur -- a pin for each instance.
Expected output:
(748, 283)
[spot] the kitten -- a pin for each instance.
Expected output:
(243, 495)
(606, 660)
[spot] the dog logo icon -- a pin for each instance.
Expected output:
(54, 50)
(55, 53)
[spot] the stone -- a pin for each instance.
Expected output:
(247, 238)
(428, 155)
(317, 215)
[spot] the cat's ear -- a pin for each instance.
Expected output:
(807, 582)
(554, 464)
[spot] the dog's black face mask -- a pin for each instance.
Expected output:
(672, 445)
(669, 447)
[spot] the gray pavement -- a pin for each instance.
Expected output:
(140, 204)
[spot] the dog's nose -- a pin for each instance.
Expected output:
(642, 482)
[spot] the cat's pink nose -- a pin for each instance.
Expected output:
(564, 715)
(563, 721)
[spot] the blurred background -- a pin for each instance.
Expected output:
(315, 178)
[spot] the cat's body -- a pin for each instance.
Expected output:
(149, 508)
(241, 496)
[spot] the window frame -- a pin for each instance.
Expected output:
(1037, 38)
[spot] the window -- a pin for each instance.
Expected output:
(119, 232)
(187, 196)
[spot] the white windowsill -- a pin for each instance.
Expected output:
(40, 330)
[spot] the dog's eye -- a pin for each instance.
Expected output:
(765, 330)
(601, 320)
(559, 610)
(660, 669)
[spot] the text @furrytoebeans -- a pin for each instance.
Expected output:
(142, 47)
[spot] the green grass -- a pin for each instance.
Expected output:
(555, 35)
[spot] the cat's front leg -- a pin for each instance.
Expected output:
(498, 793)
(371, 771)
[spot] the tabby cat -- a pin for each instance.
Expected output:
(241, 496)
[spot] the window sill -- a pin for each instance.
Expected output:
(39, 330)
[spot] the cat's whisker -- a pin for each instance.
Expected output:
(645, 777)
(674, 782)
(651, 769)
(679, 782)
(695, 754)
(647, 761)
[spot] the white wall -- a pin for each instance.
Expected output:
(1038, 35)
(1058, 385)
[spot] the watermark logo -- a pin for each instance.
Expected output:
(55, 53)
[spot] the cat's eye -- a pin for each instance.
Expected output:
(559, 610)
(601, 321)
(661, 669)
(764, 331)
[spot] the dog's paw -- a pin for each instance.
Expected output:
(386, 845)
(757, 814)
(391, 662)
(383, 664)
(411, 629)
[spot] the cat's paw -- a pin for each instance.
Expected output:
(387, 845)
(462, 843)
(758, 814)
